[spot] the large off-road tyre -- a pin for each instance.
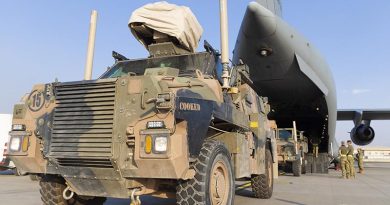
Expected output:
(213, 183)
(34, 177)
(51, 193)
(297, 167)
(263, 184)
(304, 164)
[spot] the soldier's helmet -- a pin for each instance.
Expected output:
(342, 142)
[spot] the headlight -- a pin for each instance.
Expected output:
(160, 144)
(14, 144)
(18, 127)
(25, 144)
(19, 142)
(155, 125)
(148, 144)
(154, 143)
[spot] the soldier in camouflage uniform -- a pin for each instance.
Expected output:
(351, 159)
(343, 151)
(360, 155)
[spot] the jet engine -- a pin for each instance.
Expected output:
(362, 135)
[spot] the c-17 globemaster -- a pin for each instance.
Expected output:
(167, 125)
(286, 67)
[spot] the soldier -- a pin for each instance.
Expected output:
(315, 142)
(351, 159)
(360, 155)
(343, 151)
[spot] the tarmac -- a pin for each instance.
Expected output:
(371, 188)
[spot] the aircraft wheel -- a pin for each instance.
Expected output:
(262, 185)
(51, 191)
(213, 183)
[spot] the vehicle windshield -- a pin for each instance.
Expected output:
(285, 134)
(187, 64)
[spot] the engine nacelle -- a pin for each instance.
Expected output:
(362, 135)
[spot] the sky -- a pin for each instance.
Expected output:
(42, 40)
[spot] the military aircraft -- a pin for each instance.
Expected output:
(288, 69)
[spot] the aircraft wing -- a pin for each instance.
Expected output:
(363, 134)
(363, 114)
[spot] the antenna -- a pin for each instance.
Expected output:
(91, 46)
(224, 43)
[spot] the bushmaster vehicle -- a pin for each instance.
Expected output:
(292, 146)
(166, 126)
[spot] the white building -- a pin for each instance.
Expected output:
(376, 154)
(5, 127)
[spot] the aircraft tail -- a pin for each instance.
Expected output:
(273, 5)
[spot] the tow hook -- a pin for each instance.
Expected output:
(68, 193)
(135, 200)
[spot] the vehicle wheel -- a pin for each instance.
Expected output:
(34, 177)
(51, 193)
(297, 168)
(262, 185)
(213, 183)
(304, 162)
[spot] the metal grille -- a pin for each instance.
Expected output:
(83, 124)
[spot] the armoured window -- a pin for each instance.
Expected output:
(285, 134)
(187, 64)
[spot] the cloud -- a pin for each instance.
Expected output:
(360, 91)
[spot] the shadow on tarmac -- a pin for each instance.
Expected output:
(289, 202)
(245, 193)
(146, 199)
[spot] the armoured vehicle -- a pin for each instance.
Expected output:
(161, 126)
(292, 146)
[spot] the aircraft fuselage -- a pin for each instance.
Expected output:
(286, 68)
